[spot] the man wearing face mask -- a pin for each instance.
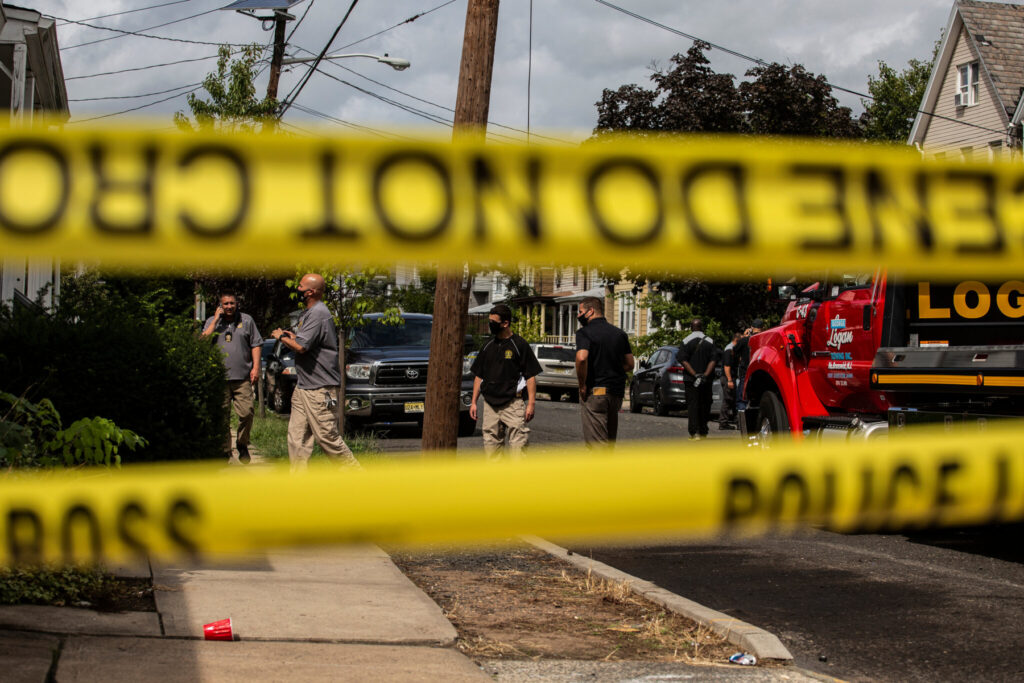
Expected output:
(505, 370)
(315, 343)
(603, 357)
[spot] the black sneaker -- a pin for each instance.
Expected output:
(243, 453)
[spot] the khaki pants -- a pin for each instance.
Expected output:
(600, 416)
(311, 418)
(510, 421)
(240, 396)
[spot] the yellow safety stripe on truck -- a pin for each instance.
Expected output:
(914, 479)
(721, 206)
(938, 379)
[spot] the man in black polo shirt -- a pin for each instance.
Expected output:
(504, 369)
(603, 357)
(697, 354)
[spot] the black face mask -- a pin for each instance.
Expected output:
(495, 327)
(582, 318)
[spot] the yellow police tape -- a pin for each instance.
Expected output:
(918, 480)
(717, 206)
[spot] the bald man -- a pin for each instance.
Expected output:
(316, 396)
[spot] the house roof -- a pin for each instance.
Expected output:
(996, 32)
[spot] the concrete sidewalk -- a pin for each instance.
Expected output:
(322, 614)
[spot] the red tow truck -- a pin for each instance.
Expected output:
(856, 355)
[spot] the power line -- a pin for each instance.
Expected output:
(148, 28)
(143, 68)
(412, 110)
(125, 111)
(433, 118)
(299, 22)
(449, 109)
(761, 62)
(401, 23)
(435, 104)
(349, 124)
(529, 74)
(130, 11)
(139, 34)
(132, 97)
(302, 83)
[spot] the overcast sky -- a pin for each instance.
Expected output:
(579, 48)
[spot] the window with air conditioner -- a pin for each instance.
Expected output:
(967, 85)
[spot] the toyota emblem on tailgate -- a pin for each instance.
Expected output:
(412, 373)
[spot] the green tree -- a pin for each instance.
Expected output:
(781, 100)
(233, 104)
(690, 97)
(897, 96)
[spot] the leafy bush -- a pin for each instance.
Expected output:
(110, 351)
(31, 435)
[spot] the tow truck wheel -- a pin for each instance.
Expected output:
(773, 417)
(634, 400)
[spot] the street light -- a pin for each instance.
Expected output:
(396, 63)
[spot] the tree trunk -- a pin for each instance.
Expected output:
(444, 376)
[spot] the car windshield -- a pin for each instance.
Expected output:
(376, 334)
(562, 353)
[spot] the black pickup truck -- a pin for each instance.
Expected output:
(386, 373)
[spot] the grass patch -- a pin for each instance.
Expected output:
(74, 587)
(270, 436)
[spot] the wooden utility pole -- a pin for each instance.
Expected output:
(451, 299)
(280, 20)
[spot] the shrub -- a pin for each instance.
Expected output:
(31, 435)
(112, 354)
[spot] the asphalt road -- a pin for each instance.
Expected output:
(557, 424)
(941, 607)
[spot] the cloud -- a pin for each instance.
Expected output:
(579, 48)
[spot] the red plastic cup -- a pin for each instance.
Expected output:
(218, 630)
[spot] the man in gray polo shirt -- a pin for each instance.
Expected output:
(316, 396)
(236, 335)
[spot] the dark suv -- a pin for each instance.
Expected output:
(659, 384)
(386, 373)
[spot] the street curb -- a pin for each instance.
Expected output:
(747, 637)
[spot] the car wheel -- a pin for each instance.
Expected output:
(467, 425)
(634, 401)
(659, 403)
(772, 414)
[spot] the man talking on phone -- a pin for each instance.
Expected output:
(236, 335)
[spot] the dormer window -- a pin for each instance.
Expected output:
(967, 85)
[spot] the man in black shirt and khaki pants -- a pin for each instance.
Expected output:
(603, 357)
(506, 373)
